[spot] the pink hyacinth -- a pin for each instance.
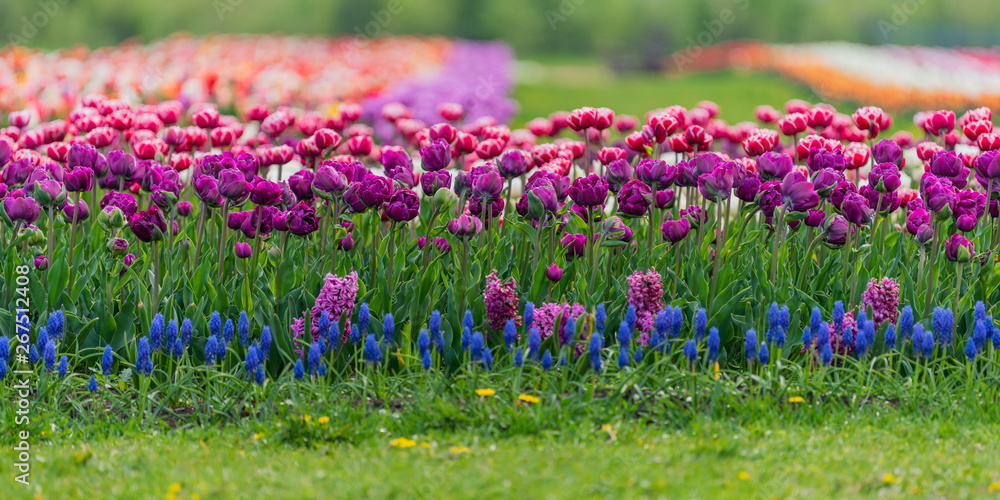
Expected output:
(883, 297)
(546, 314)
(645, 292)
(501, 301)
(298, 328)
(337, 299)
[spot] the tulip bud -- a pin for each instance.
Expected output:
(112, 218)
(41, 262)
(117, 247)
(554, 273)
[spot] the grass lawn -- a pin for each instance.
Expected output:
(864, 456)
(736, 93)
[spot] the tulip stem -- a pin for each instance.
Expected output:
(649, 237)
(776, 243)
(958, 294)
(931, 278)
(392, 258)
(222, 239)
(804, 270)
(72, 234)
(13, 235)
(52, 234)
(156, 278)
(199, 234)
(720, 244)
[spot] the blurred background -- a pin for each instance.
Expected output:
(631, 55)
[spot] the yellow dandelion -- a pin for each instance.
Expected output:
(425, 445)
(528, 398)
(796, 399)
(743, 475)
(402, 443)
(195, 496)
(256, 437)
(323, 420)
(307, 418)
(172, 491)
(888, 478)
(716, 370)
(485, 392)
(994, 487)
(610, 430)
(455, 450)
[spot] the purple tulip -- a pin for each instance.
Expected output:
(708, 162)
(3, 190)
(487, 182)
(236, 219)
(477, 206)
(123, 201)
(346, 243)
(81, 210)
(916, 219)
(436, 156)
(513, 164)
(855, 209)
(574, 244)
(81, 155)
(988, 167)
(969, 202)
(675, 230)
(49, 192)
(431, 182)
(41, 263)
(618, 173)
(884, 177)
(352, 198)
(959, 249)
(207, 190)
(266, 193)
(769, 197)
(394, 158)
(403, 177)
(301, 184)
(80, 179)
(774, 166)
(354, 171)
(402, 206)
(656, 173)
(747, 190)
(885, 202)
(826, 179)
(815, 218)
(233, 186)
(259, 221)
(24, 210)
(946, 164)
(374, 190)
(940, 198)
(127, 261)
(121, 164)
(635, 198)
(442, 245)
(553, 273)
(328, 182)
(463, 183)
(887, 151)
(821, 158)
(837, 230)
(840, 191)
(148, 225)
(541, 200)
(925, 234)
(5, 153)
(465, 226)
(590, 191)
(301, 219)
(664, 199)
(615, 229)
(966, 223)
(242, 250)
(718, 184)
(118, 247)
(695, 215)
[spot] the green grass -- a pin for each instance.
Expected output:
(706, 459)
(736, 93)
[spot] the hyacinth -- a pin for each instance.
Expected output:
(645, 293)
(534, 343)
(299, 370)
(529, 314)
(107, 361)
(91, 386)
(501, 301)
(265, 342)
(713, 343)
(336, 298)
(55, 324)
(883, 297)
(242, 327)
(547, 361)
(187, 330)
(546, 314)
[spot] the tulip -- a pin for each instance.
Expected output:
(988, 165)
(431, 182)
(148, 225)
(747, 191)
(301, 219)
(542, 200)
(575, 245)
(20, 210)
(121, 165)
(553, 273)
(664, 199)
(885, 177)
(513, 164)
(242, 250)
(207, 190)
(822, 159)
(184, 208)
(855, 209)
(872, 119)
(589, 191)
(79, 213)
(41, 262)
(959, 249)
(966, 223)
(916, 220)
(836, 231)
(675, 230)
(465, 226)
(360, 145)
(266, 193)
(402, 206)
(80, 179)
(49, 192)
(939, 122)
(946, 164)
(815, 218)
(793, 124)
(635, 198)
(887, 151)
(374, 190)
(233, 186)
(445, 131)
(436, 156)
(718, 184)
(617, 173)
(774, 166)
